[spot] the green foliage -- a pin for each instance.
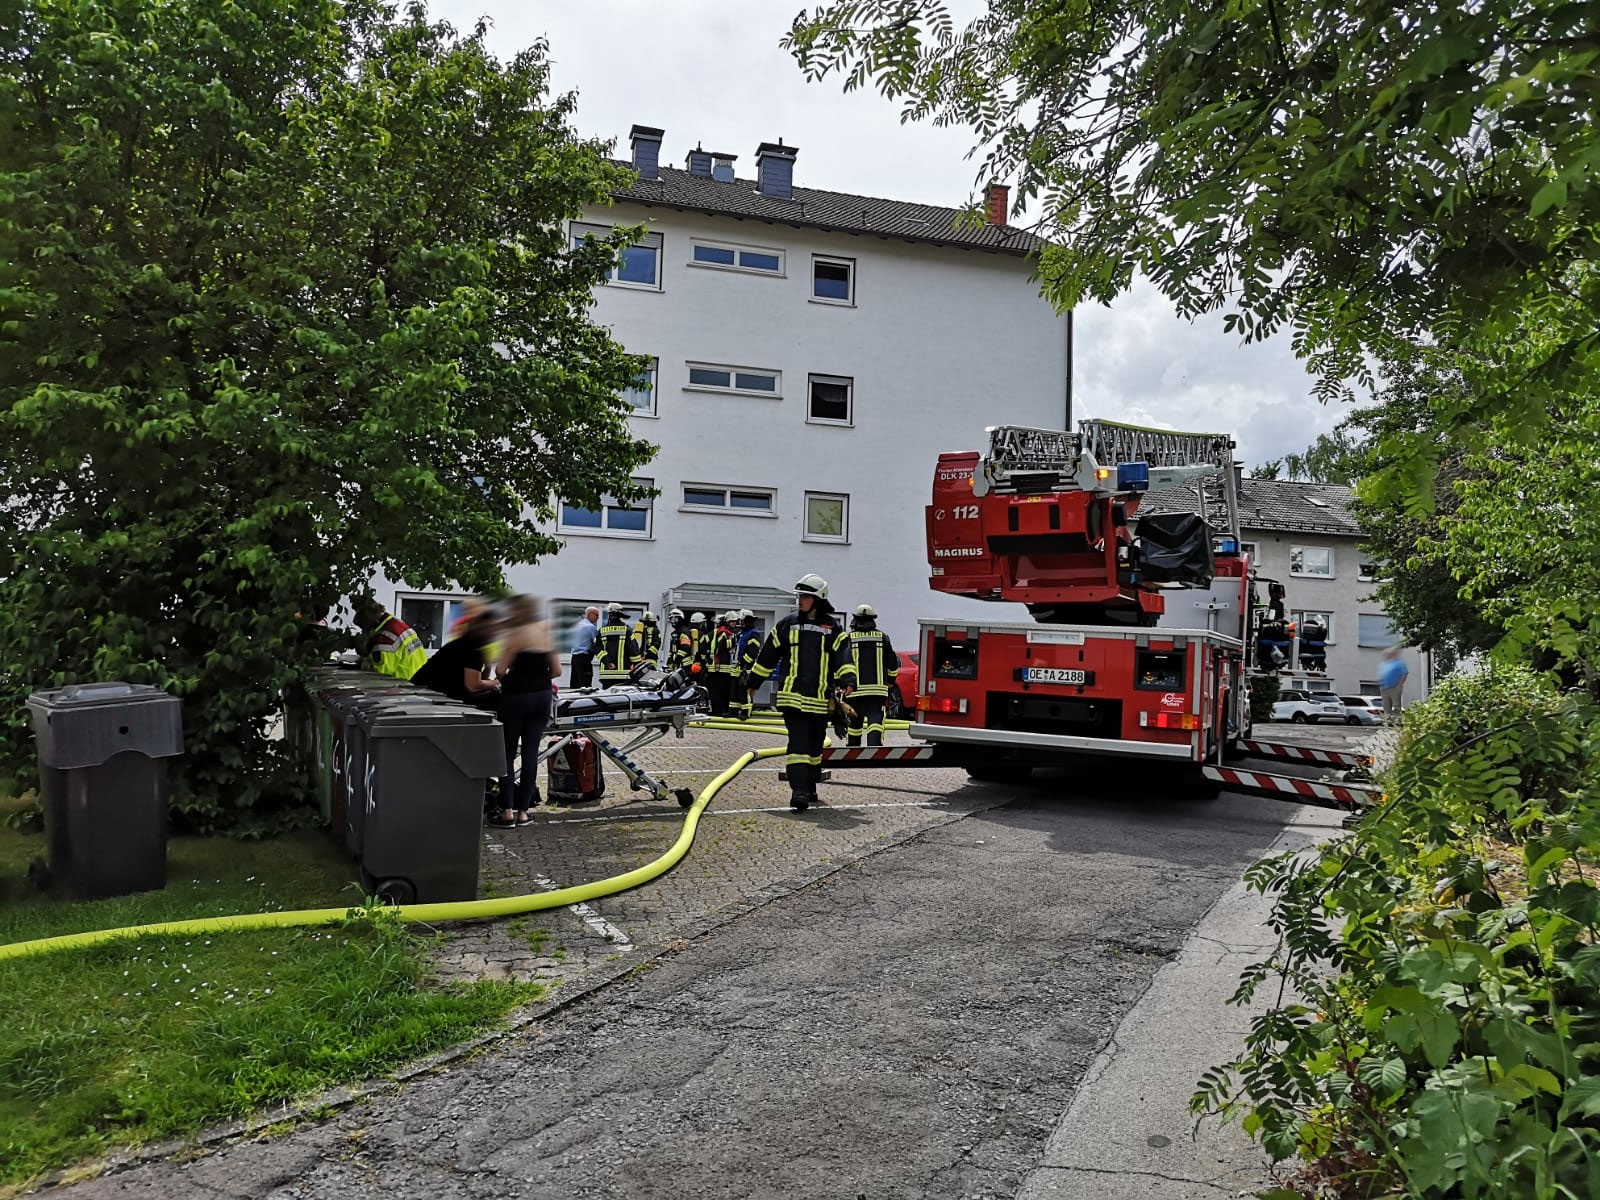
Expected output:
(1264, 692)
(1437, 1029)
(286, 299)
(1362, 175)
(1332, 458)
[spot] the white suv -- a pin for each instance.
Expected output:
(1301, 707)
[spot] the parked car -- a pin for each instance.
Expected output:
(1363, 710)
(905, 684)
(1301, 707)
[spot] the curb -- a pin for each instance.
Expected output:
(326, 1103)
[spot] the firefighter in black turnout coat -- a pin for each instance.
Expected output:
(876, 664)
(810, 654)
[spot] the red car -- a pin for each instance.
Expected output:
(903, 690)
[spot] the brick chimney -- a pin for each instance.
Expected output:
(775, 169)
(646, 150)
(997, 200)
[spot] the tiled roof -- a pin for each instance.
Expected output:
(1282, 505)
(839, 212)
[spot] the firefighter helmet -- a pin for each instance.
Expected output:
(676, 615)
(866, 610)
(698, 619)
(648, 617)
(613, 609)
(812, 585)
(746, 615)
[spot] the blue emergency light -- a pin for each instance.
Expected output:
(1133, 477)
(1226, 545)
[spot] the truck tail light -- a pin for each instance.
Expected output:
(942, 704)
(1168, 720)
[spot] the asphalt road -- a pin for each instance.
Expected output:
(914, 1024)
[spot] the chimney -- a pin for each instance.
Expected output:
(722, 166)
(997, 199)
(700, 162)
(775, 169)
(646, 150)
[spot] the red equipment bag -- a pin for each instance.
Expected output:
(575, 774)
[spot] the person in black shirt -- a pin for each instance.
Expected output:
(528, 666)
(457, 667)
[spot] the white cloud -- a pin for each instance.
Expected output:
(711, 71)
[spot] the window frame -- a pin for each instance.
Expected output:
(1392, 632)
(1297, 570)
(849, 400)
(836, 260)
(727, 508)
(654, 374)
(562, 629)
(734, 371)
(446, 599)
(843, 538)
(608, 505)
(1298, 615)
(650, 241)
(739, 249)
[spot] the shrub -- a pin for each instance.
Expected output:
(1264, 693)
(1443, 1037)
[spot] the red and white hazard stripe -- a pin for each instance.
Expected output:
(1306, 791)
(1288, 752)
(877, 756)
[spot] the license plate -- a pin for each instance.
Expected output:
(1054, 675)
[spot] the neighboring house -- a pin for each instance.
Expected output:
(1303, 536)
(813, 353)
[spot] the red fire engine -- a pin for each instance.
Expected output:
(1140, 645)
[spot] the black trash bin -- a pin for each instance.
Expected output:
(353, 773)
(422, 831)
(103, 784)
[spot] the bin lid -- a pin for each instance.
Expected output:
(84, 695)
(469, 737)
(85, 724)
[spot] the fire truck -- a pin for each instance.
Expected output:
(1140, 641)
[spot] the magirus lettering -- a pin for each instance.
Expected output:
(960, 552)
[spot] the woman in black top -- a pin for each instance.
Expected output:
(456, 668)
(528, 667)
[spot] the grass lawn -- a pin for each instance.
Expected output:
(147, 1039)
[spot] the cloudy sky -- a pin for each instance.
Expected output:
(711, 71)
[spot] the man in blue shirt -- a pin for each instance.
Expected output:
(583, 636)
(1392, 672)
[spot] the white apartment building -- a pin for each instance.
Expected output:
(814, 352)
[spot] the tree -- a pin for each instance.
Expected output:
(1367, 176)
(1332, 458)
(286, 297)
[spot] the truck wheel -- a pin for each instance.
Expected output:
(893, 706)
(1002, 772)
(1196, 786)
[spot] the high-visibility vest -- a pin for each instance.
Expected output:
(395, 649)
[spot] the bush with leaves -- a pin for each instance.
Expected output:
(287, 299)
(1434, 1028)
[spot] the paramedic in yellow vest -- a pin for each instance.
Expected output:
(393, 647)
(876, 664)
(612, 656)
(810, 654)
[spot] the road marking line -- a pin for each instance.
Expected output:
(590, 918)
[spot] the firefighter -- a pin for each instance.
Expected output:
(700, 641)
(810, 653)
(647, 640)
(876, 664)
(721, 663)
(613, 657)
(681, 652)
(1313, 645)
(745, 650)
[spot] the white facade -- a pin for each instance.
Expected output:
(935, 344)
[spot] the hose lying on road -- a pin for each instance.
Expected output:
(508, 906)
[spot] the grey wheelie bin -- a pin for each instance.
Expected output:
(422, 831)
(350, 806)
(103, 784)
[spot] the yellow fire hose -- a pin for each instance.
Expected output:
(508, 906)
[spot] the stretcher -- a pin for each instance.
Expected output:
(622, 720)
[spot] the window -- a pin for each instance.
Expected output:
(611, 518)
(1315, 562)
(1369, 687)
(1366, 572)
(1300, 616)
(833, 280)
(642, 395)
(827, 517)
(732, 257)
(745, 380)
(430, 616)
(831, 400)
(1374, 630)
(711, 497)
(565, 613)
(1249, 549)
(641, 263)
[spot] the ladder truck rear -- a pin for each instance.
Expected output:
(1102, 672)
